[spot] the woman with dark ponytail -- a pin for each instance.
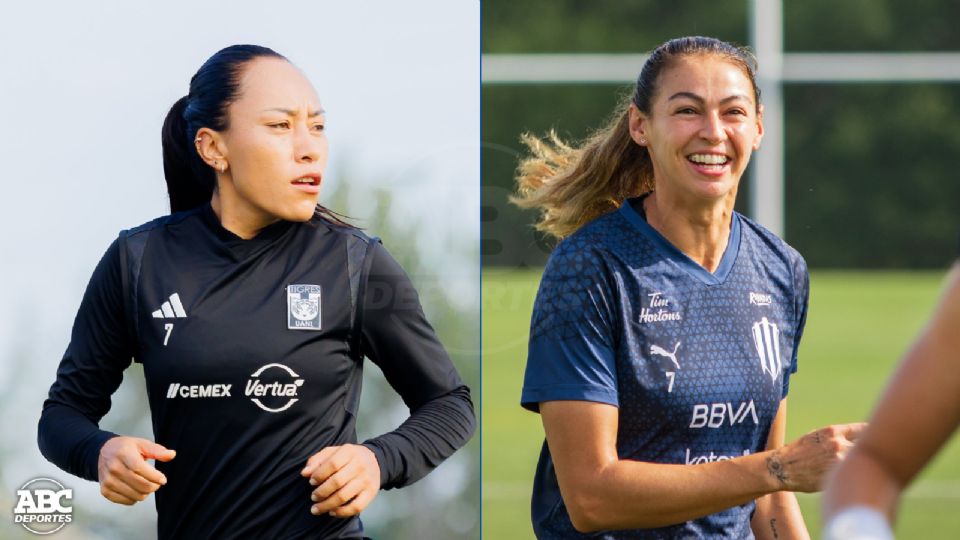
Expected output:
(190, 182)
(666, 326)
(247, 307)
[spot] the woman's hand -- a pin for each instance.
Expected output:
(125, 476)
(802, 464)
(347, 479)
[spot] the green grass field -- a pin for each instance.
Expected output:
(859, 324)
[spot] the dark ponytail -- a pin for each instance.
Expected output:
(190, 181)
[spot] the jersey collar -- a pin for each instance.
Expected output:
(669, 251)
(237, 246)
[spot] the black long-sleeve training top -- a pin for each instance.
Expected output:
(252, 353)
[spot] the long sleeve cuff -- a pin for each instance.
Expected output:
(434, 431)
(71, 441)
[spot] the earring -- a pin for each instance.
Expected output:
(643, 141)
(223, 168)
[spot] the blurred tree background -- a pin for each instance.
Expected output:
(870, 180)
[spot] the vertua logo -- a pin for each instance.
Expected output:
(40, 506)
(273, 387)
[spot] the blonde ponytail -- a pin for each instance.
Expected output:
(574, 185)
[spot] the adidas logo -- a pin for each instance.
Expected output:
(171, 309)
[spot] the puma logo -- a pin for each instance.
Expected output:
(660, 351)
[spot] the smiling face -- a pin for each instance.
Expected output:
(702, 127)
(275, 147)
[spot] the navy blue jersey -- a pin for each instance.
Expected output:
(696, 362)
(252, 354)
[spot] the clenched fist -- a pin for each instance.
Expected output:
(802, 464)
(125, 476)
(347, 479)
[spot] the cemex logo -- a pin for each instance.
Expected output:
(198, 390)
(40, 506)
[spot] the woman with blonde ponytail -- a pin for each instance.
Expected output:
(666, 326)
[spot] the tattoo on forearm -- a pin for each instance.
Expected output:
(773, 527)
(817, 437)
(775, 468)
